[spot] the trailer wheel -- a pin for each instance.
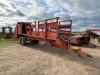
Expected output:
(22, 40)
(19, 40)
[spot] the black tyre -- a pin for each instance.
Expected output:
(19, 40)
(22, 40)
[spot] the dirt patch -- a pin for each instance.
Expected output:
(43, 60)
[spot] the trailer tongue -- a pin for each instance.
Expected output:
(49, 31)
(64, 44)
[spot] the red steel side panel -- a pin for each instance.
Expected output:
(52, 35)
(41, 35)
(19, 29)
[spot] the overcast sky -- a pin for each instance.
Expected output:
(84, 13)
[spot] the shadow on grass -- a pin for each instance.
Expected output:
(89, 46)
(93, 62)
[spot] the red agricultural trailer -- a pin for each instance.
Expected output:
(49, 31)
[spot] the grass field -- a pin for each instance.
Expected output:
(16, 59)
(7, 41)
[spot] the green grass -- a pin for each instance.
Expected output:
(7, 41)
